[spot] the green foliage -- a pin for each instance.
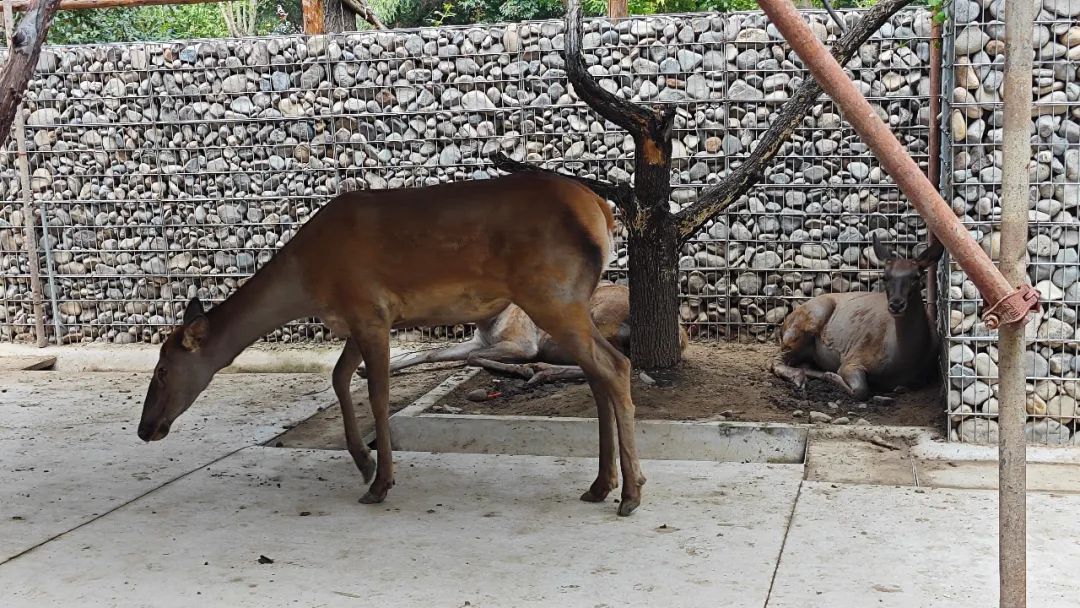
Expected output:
(137, 24)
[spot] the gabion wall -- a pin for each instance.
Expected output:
(974, 74)
(170, 170)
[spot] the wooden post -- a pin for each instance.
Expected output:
(314, 17)
(13, 80)
(618, 9)
(1015, 203)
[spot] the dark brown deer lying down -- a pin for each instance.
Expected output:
(510, 343)
(366, 264)
(865, 340)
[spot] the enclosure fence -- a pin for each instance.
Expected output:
(973, 74)
(170, 170)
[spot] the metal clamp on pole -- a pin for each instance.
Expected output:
(1009, 305)
(1013, 308)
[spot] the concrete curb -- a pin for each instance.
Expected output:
(414, 429)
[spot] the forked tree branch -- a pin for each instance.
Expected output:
(620, 194)
(26, 44)
(622, 112)
(719, 197)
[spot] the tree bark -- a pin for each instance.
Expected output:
(339, 17)
(652, 231)
(715, 199)
(26, 44)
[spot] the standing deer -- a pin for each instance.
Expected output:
(364, 264)
(510, 343)
(865, 340)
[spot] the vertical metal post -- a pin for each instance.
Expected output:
(1015, 201)
(29, 234)
(933, 164)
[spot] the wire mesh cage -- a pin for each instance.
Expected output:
(173, 170)
(974, 72)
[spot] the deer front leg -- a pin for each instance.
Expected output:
(374, 343)
(342, 379)
(851, 379)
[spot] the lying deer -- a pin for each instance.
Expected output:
(510, 343)
(364, 265)
(865, 340)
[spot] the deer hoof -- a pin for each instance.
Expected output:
(596, 493)
(627, 506)
(376, 493)
(366, 466)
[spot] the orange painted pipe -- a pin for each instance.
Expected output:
(1008, 305)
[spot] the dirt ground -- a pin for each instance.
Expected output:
(726, 381)
(325, 431)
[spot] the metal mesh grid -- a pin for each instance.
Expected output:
(176, 169)
(973, 69)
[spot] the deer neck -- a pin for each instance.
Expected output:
(272, 297)
(913, 324)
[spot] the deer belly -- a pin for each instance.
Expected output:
(449, 308)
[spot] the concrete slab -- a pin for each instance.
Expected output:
(70, 453)
(857, 546)
(457, 530)
(541, 436)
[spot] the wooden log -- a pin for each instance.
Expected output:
(25, 48)
(618, 9)
(78, 5)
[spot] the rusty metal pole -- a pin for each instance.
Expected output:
(1015, 202)
(1007, 305)
(933, 164)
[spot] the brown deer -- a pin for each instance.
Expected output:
(510, 343)
(366, 264)
(865, 340)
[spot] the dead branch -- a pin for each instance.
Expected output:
(620, 194)
(622, 112)
(719, 197)
(837, 19)
(363, 10)
(25, 48)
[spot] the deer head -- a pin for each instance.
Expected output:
(183, 370)
(902, 276)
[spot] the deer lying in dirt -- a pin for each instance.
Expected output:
(865, 340)
(510, 343)
(364, 265)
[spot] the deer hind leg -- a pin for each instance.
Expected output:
(608, 373)
(374, 344)
(455, 352)
(342, 378)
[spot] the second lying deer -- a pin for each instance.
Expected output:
(511, 343)
(864, 340)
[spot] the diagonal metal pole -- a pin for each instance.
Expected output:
(1015, 202)
(1007, 305)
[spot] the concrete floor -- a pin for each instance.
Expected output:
(91, 516)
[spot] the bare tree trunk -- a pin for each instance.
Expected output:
(339, 17)
(26, 44)
(618, 9)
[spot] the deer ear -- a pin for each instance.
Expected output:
(193, 311)
(931, 255)
(882, 252)
(194, 334)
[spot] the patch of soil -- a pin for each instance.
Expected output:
(325, 430)
(727, 381)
